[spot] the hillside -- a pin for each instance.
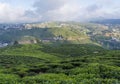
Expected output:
(105, 35)
(46, 34)
(110, 38)
(71, 32)
(59, 64)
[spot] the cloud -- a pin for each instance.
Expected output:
(63, 13)
(9, 14)
(60, 10)
(48, 5)
(67, 10)
(55, 10)
(93, 8)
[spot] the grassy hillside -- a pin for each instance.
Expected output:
(27, 50)
(107, 36)
(45, 33)
(59, 64)
(72, 32)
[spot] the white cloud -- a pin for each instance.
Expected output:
(69, 10)
(59, 10)
(54, 10)
(66, 12)
(9, 14)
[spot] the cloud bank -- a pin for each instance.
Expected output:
(60, 10)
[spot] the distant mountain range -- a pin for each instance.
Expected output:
(107, 21)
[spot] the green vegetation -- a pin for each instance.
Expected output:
(70, 32)
(59, 53)
(59, 64)
(64, 32)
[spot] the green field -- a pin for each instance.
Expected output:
(59, 64)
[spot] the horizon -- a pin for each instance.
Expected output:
(20, 11)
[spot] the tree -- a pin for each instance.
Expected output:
(15, 43)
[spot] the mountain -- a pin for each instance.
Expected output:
(53, 31)
(107, 21)
(105, 35)
(110, 37)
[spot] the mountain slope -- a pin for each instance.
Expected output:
(37, 63)
(107, 36)
(71, 32)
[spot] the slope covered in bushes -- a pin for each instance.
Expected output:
(59, 64)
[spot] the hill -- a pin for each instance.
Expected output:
(106, 35)
(71, 32)
(61, 64)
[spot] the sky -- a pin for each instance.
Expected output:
(12, 11)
